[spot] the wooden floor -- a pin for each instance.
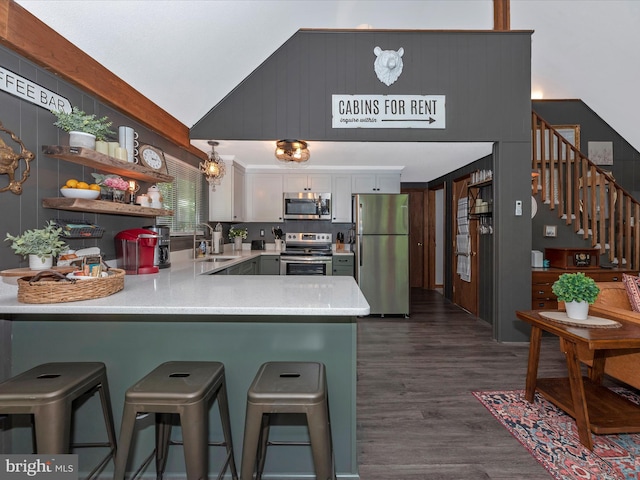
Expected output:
(417, 419)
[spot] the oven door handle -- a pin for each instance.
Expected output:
(299, 259)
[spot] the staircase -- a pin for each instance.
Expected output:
(585, 196)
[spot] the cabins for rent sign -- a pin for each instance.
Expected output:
(388, 111)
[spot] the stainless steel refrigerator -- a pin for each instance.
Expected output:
(382, 251)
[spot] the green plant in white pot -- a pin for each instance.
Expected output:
(90, 127)
(40, 245)
(237, 235)
(577, 291)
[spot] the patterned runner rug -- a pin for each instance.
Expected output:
(551, 437)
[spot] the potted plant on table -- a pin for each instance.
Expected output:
(84, 129)
(577, 291)
(237, 235)
(40, 245)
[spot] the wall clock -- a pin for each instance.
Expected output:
(152, 157)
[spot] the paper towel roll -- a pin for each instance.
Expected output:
(217, 242)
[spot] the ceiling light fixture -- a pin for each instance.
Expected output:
(292, 151)
(213, 168)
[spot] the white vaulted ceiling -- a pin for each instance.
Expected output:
(187, 55)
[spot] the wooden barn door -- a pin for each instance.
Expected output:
(465, 284)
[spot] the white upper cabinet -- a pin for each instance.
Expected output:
(263, 192)
(375, 183)
(341, 199)
(319, 183)
(226, 203)
(264, 197)
(238, 207)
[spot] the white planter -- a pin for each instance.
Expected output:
(577, 310)
(36, 263)
(81, 139)
(237, 243)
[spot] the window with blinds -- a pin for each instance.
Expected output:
(186, 196)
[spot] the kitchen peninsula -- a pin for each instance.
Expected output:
(183, 313)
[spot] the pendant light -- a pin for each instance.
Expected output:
(213, 168)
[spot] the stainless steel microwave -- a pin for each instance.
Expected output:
(307, 206)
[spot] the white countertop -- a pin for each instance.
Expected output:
(186, 289)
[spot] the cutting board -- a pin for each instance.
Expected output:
(27, 272)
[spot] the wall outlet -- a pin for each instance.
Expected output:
(262, 232)
(518, 208)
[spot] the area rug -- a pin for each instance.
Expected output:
(551, 436)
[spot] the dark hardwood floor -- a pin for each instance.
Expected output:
(417, 419)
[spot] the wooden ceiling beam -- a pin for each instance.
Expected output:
(501, 15)
(28, 36)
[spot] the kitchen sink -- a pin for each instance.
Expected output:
(221, 259)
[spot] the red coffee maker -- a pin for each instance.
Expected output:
(135, 249)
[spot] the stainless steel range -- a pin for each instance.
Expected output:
(306, 254)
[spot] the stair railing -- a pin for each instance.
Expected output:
(585, 196)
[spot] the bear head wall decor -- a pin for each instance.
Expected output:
(388, 64)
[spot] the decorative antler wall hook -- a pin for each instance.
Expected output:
(10, 160)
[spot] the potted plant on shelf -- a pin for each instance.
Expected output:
(237, 235)
(577, 291)
(40, 245)
(113, 187)
(84, 129)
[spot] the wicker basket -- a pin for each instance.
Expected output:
(52, 287)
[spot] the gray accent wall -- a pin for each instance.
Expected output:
(483, 74)
(486, 77)
(34, 126)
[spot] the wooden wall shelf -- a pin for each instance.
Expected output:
(99, 161)
(102, 206)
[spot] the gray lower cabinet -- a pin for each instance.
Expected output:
(270, 265)
(342, 265)
(250, 267)
(263, 265)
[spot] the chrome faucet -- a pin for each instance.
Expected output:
(208, 226)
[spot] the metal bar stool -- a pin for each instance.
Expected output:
(186, 389)
(47, 392)
(288, 387)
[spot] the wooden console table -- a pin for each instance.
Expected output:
(594, 407)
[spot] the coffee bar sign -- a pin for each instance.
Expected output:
(388, 111)
(32, 92)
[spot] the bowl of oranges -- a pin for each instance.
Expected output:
(75, 189)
